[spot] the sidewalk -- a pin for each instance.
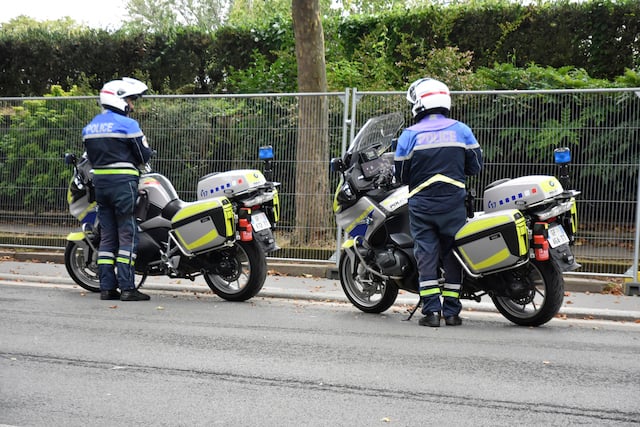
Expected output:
(583, 298)
(611, 259)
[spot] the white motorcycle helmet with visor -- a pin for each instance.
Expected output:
(428, 94)
(114, 94)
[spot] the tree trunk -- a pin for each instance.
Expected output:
(312, 213)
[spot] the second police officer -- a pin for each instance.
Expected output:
(433, 157)
(116, 147)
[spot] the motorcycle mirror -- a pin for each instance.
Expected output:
(265, 152)
(70, 158)
(562, 156)
(337, 165)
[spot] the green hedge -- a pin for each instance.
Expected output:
(377, 52)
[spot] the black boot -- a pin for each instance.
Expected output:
(453, 320)
(110, 294)
(134, 295)
(430, 319)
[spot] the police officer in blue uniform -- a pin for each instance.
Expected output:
(116, 147)
(433, 157)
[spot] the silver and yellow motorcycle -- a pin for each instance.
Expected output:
(514, 251)
(223, 236)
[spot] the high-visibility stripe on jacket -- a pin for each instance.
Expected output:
(436, 178)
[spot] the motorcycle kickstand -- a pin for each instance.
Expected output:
(144, 278)
(413, 311)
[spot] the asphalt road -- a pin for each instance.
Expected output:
(184, 358)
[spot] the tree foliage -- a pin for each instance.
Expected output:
(251, 13)
(368, 7)
(163, 16)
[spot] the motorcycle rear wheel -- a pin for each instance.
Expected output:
(543, 300)
(364, 290)
(80, 262)
(246, 273)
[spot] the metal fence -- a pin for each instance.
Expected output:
(197, 135)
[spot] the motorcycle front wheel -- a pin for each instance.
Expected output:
(541, 300)
(365, 290)
(241, 272)
(80, 262)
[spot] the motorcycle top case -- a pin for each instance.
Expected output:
(519, 193)
(230, 183)
(204, 225)
(493, 241)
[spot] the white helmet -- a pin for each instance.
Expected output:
(114, 93)
(426, 94)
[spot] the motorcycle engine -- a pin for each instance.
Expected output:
(392, 262)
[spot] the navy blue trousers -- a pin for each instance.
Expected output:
(433, 236)
(118, 234)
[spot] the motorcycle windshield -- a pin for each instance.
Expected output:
(377, 134)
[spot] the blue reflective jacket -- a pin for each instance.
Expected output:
(114, 143)
(433, 157)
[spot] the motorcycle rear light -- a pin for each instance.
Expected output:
(245, 229)
(540, 247)
(540, 242)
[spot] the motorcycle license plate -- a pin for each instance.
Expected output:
(260, 221)
(557, 236)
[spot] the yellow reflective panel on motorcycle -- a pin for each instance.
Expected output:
(205, 224)
(492, 241)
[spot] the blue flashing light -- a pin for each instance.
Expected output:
(265, 152)
(562, 156)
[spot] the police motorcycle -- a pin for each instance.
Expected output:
(514, 251)
(177, 239)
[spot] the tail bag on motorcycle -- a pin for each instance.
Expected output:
(204, 225)
(493, 241)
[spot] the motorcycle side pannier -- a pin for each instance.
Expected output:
(204, 225)
(493, 241)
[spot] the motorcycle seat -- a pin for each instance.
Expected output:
(402, 240)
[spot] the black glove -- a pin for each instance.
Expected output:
(468, 202)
